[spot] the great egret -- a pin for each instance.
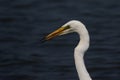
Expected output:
(75, 26)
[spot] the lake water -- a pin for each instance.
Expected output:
(24, 22)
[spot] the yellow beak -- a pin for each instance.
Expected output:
(55, 33)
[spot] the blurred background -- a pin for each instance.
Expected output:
(24, 22)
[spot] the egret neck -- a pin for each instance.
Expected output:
(79, 53)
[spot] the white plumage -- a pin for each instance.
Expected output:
(81, 48)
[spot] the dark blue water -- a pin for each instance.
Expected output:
(24, 22)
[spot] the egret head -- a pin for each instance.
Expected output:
(71, 26)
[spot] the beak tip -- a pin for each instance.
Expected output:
(42, 40)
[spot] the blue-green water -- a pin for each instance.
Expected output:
(24, 22)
